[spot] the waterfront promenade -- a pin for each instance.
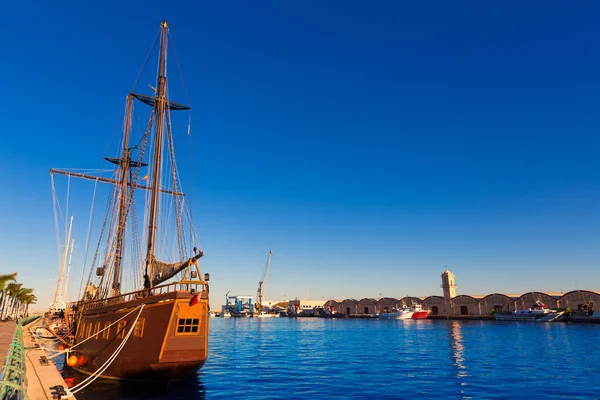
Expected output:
(7, 330)
(41, 377)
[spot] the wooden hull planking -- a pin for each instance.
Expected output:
(169, 341)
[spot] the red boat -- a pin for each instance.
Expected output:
(419, 312)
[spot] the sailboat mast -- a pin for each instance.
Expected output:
(159, 106)
(59, 301)
(66, 284)
(125, 165)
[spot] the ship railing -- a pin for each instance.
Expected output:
(198, 288)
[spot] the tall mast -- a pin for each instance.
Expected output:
(125, 165)
(159, 107)
(66, 285)
(59, 301)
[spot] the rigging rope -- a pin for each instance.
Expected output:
(55, 204)
(179, 68)
(67, 205)
(189, 103)
(145, 60)
(104, 366)
(176, 199)
(110, 245)
(97, 333)
(99, 242)
(87, 240)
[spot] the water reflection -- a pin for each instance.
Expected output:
(457, 349)
(110, 389)
(357, 359)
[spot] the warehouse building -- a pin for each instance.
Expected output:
(451, 304)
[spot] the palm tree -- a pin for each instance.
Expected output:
(18, 301)
(27, 300)
(12, 290)
(4, 279)
(24, 298)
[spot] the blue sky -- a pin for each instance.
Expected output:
(367, 145)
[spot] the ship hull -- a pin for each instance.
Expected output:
(529, 316)
(169, 340)
(420, 315)
(396, 315)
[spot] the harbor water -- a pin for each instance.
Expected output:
(302, 358)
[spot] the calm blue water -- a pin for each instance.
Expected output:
(370, 359)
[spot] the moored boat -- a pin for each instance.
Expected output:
(136, 325)
(264, 314)
(419, 312)
(415, 311)
(538, 312)
(585, 312)
(404, 313)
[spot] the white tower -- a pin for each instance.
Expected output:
(448, 285)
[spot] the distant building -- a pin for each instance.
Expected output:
(367, 306)
(448, 285)
(451, 304)
(305, 306)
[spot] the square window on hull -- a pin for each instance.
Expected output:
(188, 326)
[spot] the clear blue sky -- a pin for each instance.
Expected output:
(367, 144)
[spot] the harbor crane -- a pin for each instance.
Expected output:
(263, 281)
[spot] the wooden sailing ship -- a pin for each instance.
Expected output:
(154, 330)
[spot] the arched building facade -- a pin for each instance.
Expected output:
(436, 304)
(464, 304)
(386, 304)
(580, 300)
(469, 304)
(349, 307)
(527, 300)
(332, 305)
(366, 306)
(497, 302)
(408, 301)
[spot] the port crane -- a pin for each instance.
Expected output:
(263, 281)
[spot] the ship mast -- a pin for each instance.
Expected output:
(159, 107)
(125, 165)
(59, 295)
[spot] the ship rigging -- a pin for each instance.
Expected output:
(168, 333)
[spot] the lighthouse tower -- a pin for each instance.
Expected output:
(448, 285)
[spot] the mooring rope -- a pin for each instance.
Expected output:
(106, 364)
(95, 334)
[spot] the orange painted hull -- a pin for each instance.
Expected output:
(161, 347)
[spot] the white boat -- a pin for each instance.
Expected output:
(226, 314)
(264, 314)
(415, 311)
(404, 313)
(538, 312)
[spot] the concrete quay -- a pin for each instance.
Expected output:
(42, 376)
